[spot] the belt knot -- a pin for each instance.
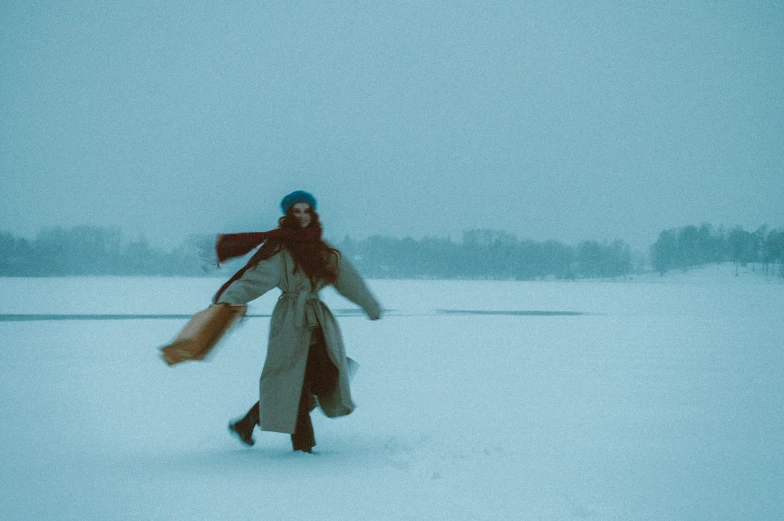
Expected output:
(304, 313)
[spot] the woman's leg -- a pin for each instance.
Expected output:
(303, 438)
(320, 377)
(244, 427)
(321, 371)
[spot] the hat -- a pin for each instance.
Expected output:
(299, 196)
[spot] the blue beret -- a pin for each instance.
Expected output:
(300, 196)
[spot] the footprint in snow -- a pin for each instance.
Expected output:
(423, 456)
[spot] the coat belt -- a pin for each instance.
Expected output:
(304, 307)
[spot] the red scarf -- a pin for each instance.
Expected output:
(231, 245)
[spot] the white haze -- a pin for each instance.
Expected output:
(550, 120)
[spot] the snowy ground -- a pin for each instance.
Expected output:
(649, 400)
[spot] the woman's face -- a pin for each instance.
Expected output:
(303, 214)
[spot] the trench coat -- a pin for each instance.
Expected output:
(297, 312)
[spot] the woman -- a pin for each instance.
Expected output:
(305, 354)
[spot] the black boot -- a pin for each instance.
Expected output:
(243, 428)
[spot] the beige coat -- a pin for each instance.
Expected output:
(297, 312)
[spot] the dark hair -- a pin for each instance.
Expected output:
(316, 258)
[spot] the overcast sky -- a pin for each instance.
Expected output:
(550, 120)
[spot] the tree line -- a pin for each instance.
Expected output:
(481, 254)
(90, 250)
(690, 246)
(487, 254)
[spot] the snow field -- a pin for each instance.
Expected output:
(660, 401)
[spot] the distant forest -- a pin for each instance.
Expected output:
(690, 246)
(481, 254)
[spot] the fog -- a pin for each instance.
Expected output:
(548, 120)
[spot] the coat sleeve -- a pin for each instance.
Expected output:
(254, 282)
(350, 284)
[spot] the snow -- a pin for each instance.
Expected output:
(656, 399)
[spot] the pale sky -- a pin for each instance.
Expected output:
(556, 120)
